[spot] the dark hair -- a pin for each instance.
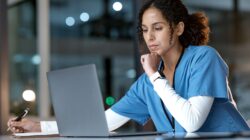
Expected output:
(196, 30)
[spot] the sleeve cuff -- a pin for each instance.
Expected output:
(154, 77)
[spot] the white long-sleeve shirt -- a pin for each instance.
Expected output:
(190, 114)
(114, 121)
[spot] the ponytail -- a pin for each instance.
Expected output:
(196, 30)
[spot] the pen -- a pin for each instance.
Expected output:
(19, 118)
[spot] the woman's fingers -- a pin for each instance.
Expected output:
(17, 130)
(9, 122)
(17, 124)
(150, 63)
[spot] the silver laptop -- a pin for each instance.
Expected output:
(78, 104)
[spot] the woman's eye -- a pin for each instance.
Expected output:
(158, 28)
(144, 30)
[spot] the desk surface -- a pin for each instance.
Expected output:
(221, 136)
(67, 138)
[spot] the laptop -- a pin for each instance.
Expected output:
(78, 105)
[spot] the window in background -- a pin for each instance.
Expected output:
(24, 60)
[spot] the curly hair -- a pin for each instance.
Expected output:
(196, 30)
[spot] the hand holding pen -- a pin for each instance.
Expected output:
(18, 118)
(21, 124)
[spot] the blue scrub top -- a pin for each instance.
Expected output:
(201, 72)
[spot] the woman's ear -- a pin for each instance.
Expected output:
(180, 28)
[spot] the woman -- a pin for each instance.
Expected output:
(184, 87)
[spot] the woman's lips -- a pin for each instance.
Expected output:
(153, 47)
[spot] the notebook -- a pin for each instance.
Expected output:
(78, 105)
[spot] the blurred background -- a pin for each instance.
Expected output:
(42, 35)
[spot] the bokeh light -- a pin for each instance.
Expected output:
(117, 6)
(70, 21)
(29, 95)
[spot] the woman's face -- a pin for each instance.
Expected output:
(156, 32)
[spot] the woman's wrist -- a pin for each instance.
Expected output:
(153, 77)
(151, 72)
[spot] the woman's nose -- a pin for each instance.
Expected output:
(151, 36)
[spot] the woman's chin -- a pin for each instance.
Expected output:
(155, 51)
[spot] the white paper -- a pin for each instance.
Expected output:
(34, 134)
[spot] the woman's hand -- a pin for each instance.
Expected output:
(25, 125)
(150, 63)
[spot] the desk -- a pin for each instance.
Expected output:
(221, 136)
(66, 138)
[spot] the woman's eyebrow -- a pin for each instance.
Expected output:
(153, 24)
(158, 23)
